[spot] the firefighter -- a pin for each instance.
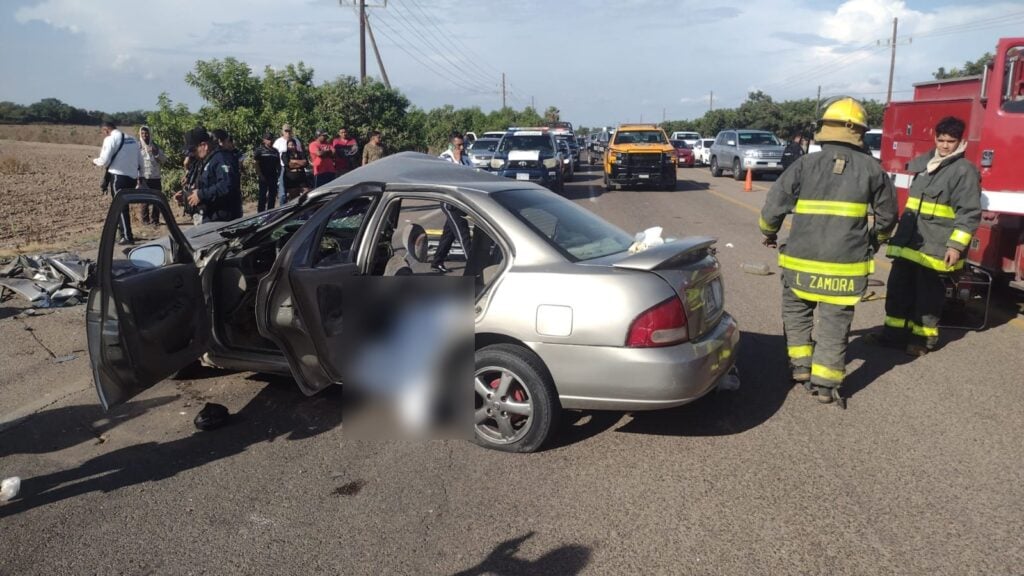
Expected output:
(940, 218)
(829, 253)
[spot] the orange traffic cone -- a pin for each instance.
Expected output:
(748, 186)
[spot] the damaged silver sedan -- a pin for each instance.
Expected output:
(564, 314)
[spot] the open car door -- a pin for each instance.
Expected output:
(147, 315)
(299, 302)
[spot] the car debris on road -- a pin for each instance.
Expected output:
(48, 280)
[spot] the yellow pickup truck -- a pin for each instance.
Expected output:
(639, 155)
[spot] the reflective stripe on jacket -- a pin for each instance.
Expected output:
(828, 255)
(943, 211)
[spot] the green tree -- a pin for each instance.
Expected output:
(552, 114)
(969, 69)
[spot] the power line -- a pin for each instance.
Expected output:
(387, 32)
(408, 25)
(447, 37)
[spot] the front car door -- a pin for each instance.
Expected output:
(300, 300)
(147, 313)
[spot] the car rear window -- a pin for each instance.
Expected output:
(485, 144)
(571, 229)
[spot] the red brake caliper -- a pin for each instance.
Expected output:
(518, 395)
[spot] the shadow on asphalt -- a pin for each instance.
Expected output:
(60, 428)
(764, 384)
(879, 360)
(567, 560)
(278, 411)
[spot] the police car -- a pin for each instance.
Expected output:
(530, 154)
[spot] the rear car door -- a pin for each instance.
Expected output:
(299, 301)
(147, 313)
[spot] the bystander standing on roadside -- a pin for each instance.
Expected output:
(455, 225)
(281, 145)
(119, 157)
(151, 157)
(268, 170)
(346, 150)
(294, 171)
(321, 154)
(218, 190)
(794, 150)
(374, 150)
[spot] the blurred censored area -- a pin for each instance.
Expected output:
(407, 350)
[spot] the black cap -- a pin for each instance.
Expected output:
(197, 136)
(268, 135)
(221, 134)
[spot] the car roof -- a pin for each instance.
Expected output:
(637, 127)
(418, 168)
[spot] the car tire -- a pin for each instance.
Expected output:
(716, 171)
(529, 383)
(737, 173)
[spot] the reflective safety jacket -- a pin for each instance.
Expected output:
(829, 253)
(943, 210)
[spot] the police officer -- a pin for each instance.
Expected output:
(940, 218)
(219, 189)
(829, 254)
(794, 150)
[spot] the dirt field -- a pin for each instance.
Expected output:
(56, 133)
(49, 196)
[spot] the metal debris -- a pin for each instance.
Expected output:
(48, 280)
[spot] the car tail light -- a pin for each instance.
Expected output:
(661, 325)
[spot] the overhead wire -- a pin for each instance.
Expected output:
(451, 39)
(405, 23)
(386, 30)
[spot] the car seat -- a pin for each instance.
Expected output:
(409, 241)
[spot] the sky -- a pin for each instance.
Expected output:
(598, 62)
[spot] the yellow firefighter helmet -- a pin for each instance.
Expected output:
(845, 110)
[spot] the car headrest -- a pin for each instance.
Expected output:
(415, 242)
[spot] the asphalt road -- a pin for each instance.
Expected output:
(921, 475)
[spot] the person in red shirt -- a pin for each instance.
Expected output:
(345, 151)
(321, 153)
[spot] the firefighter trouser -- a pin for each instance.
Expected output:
(825, 355)
(913, 304)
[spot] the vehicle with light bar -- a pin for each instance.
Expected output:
(530, 155)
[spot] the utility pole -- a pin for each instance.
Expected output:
(892, 60)
(503, 91)
(532, 105)
(817, 105)
(362, 40)
(711, 101)
(376, 52)
(662, 115)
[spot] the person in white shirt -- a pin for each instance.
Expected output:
(455, 225)
(150, 159)
(281, 145)
(119, 156)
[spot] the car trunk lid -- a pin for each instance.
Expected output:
(690, 267)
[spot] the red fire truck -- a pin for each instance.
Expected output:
(992, 105)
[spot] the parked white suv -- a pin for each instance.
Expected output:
(702, 151)
(872, 139)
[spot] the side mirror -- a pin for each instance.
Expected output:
(148, 257)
